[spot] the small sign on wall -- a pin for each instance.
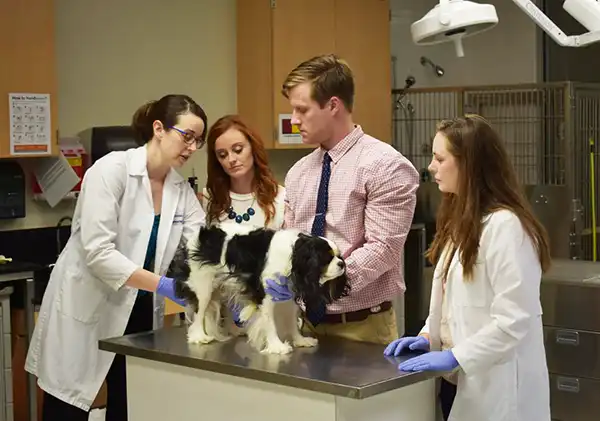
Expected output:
(30, 132)
(289, 134)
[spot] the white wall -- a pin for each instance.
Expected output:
(507, 53)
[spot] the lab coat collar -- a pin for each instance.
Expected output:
(139, 166)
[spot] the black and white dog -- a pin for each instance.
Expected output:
(231, 264)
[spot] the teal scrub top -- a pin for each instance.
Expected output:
(151, 250)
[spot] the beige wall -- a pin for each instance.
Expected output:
(113, 55)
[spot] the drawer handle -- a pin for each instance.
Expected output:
(565, 384)
(567, 337)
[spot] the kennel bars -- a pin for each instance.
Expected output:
(550, 130)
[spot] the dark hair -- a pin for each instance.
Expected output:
(328, 75)
(218, 182)
(166, 110)
(487, 182)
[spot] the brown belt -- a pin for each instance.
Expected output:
(356, 316)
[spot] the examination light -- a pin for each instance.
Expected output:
(453, 20)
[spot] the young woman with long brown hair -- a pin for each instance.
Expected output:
(240, 187)
(484, 328)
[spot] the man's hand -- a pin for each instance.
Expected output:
(279, 289)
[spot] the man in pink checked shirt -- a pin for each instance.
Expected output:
(355, 190)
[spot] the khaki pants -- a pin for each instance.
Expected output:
(378, 328)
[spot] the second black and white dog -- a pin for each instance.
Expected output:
(232, 263)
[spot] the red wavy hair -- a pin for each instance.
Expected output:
(218, 182)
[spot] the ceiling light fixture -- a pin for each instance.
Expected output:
(453, 20)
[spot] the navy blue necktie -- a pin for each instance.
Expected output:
(315, 312)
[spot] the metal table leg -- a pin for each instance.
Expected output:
(30, 323)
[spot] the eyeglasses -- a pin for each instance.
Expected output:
(189, 138)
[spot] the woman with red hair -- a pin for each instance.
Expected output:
(240, 187)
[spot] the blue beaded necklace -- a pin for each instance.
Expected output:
(243, 217)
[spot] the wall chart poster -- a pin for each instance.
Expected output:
(30, 131)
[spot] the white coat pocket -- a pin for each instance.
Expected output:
(81, 297)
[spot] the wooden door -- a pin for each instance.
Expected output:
(301, 30)
(254, 66)
(362, 33)
(28, 59)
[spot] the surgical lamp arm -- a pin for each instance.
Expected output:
(553, 30)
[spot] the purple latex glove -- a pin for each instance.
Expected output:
(279, 289)
(236, 309)
(432, 361)
(166, 288)
(409, 343)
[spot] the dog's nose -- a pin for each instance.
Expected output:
(341, 264)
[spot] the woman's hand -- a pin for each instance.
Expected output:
(432, 361)
(410, 343)
(166, 288)
(279, 289)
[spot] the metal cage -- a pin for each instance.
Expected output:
(550, 131)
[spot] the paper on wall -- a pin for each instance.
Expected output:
(56, 178)
(30, 124)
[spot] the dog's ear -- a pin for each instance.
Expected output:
(337, 288)
(306, 268)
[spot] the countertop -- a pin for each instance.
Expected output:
(575, 272)
(9, 268)
(336, 366)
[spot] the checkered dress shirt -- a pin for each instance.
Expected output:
(372, 197)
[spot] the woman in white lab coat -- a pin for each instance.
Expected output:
(133, 211)
(484, 329)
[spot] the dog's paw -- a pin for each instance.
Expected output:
(277, 348)
(197, 336)
(200, 338)
(220, 337)
(304, 342)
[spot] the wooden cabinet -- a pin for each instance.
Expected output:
(274, 36)
(28, 60)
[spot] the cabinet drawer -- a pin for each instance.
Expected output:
(574, 399)
(570, 306)
(572, 352)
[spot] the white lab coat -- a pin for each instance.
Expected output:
(496, 327)
(86, 299)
